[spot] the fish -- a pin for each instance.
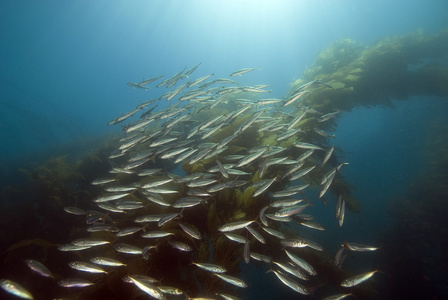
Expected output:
(15, 289)
(358, 247)
(256, 235)
(264, 187)
(232, 280)
(74, 282)
(188, 73)
(339, 258)
(85, 267)
(39, 268)
(294, 243)
(341, 213)
(304, 145)
(180, 246)
(243, 71)
(357, 279)
(261, 257)
(124, 117)
(327, 156)
(236, 237)
(234, 226)
(105, 261)
(291, 283)
(191, 231)
(301, 263)
(295, 97)
(148, 81)
(211, 267)
(75, 211)
(156, 234)
(323, 133)
(274, 232)
(328, 116)
(292, 270)
(337, 296)
(147, 287)
(128, 249)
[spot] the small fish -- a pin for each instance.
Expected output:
(262, 216)
(235, 237)
(301, 173)
(323, 133)
(312, 225)
(211, 267)
(294, 243)
(232, 280)
(290, 210)
(337, 296)
(264, 187)
(170, 290)
(39, 268)
(339, 258)
(358, 247)
(70, 247)
(75, 211)
(291, 283)
(89, 242)
(148, 81)
(156, 234)
(357, 279)
(328, 155)
(328, 116)
(128, 249)
(307, 146)
(341, 214)
(261, 257)
(191, 231)
(286, 202)
(111, 197)
(15, 289)
(234, 226)
(285, 219)
(228, 297)
(243, 71)
(74, 282)
(326, 185)
(101, 181)
(85, 267)
(246, 252)
(295, 97)
(222, 169)
(105, 261)
(256, 235)
(180, 246)
(296, 120)
(156, 183)
(147, 287)
(301, 263)
(128, 231)
(274, 232)
(185, 202)
(292, 270)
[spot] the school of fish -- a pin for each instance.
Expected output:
(177, 233)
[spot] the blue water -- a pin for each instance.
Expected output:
(65, 65)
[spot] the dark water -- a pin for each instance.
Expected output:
(63, 78)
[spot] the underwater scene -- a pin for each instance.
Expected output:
(224, 150)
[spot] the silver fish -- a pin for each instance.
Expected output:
(39, 268)
(232, 280)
